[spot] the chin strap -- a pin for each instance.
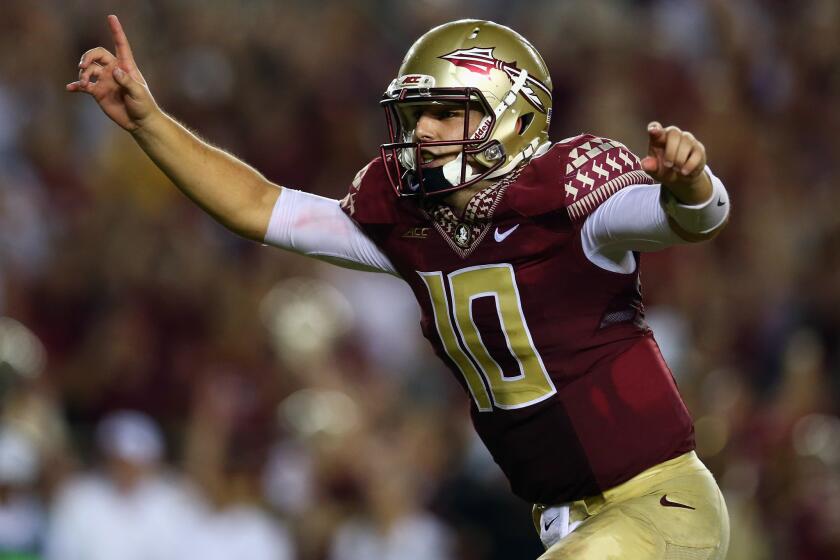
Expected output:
(533, 148)
(439, 178)
(452, 171)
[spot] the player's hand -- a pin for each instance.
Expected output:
(675, 157)
(115, 82)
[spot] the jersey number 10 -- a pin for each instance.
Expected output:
(485, 379)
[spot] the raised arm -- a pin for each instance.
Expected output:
(689, 204)
(231, 191)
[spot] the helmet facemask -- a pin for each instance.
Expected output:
(403, 155)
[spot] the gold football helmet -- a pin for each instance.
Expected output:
(467, 64)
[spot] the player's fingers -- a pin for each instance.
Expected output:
(672, 144)
(79, 87)
(687, 144)
(656, 136)
(92, 72)
(123, 49)
(696, 162)
(650, 165)
(134, 88)
(99, 55)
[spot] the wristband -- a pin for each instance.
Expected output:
(699, 218)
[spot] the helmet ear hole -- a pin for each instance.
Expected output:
(523, 122)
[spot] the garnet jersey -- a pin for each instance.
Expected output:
(569, 390)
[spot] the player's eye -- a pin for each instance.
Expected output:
(435, 113)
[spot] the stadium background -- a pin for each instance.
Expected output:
(304, 394)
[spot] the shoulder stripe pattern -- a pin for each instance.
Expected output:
(348, 203)
(597, 169)
(590, 202)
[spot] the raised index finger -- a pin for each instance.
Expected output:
(123, 49)
(657, 136)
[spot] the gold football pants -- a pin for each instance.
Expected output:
(672, 511)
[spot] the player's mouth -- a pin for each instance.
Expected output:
(435, 160)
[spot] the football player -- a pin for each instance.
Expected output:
(524, 256)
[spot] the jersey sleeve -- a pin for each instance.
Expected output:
(597, 168)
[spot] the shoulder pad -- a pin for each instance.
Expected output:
(371, 199)
(538, 188)
(596, 169)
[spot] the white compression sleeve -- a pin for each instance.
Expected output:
(633, 219)
(316, 226)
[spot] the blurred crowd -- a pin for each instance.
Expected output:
(168, 390)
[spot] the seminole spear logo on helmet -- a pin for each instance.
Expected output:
(481, 61)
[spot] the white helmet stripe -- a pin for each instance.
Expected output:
(507, 101)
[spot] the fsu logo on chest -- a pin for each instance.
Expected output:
(462, 236)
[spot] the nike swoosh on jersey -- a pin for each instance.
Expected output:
(668, 503)
(720, 202)
(499, 237)
(547, 525)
